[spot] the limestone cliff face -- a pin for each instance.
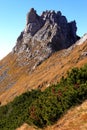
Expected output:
(44, 35)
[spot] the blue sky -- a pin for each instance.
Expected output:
(13, 17)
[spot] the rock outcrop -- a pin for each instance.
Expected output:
(44, 35)
(82, 39)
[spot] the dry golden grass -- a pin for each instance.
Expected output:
(49, 72)
(25, 127)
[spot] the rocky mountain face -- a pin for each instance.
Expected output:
(44, 35)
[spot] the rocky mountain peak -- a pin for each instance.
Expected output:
(33, 22)
(44, 34)
(31, 16)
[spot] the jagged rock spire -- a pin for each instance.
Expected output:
(33, 22)
(45, 34)
(31, 16)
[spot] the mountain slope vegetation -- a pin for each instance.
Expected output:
(45, 108)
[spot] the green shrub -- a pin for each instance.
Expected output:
(45, 108)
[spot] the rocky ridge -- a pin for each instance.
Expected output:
(42, 36)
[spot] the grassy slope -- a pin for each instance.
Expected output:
(44, 108)
(47, 73)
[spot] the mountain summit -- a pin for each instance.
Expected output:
(44, 35)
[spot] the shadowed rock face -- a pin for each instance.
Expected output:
(44, 35)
